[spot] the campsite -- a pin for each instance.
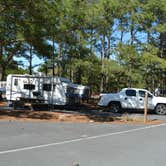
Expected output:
(82, 82)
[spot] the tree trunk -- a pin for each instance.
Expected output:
(132, 29)
(71, 74)
(132, 35)
(1, 68)
(148, 37)
(79, 72)
(109, 46)
(162, 45)
(46, 68)
(2, 65)
(102, 63)
(30, 60)
(1, 72)
(122, 31)
(61, 68)
(53, 59)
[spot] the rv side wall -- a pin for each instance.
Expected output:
(48, 89)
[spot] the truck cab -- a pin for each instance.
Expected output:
(135, 98)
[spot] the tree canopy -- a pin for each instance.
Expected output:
(106, 44)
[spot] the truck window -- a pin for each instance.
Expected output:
(47, 87)
(130, 92)
(142, 94)
(29, 86)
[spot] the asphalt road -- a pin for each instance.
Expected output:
(63, 144)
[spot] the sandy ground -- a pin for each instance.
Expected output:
(48, 116)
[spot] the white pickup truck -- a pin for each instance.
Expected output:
(133, 98)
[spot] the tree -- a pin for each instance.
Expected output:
(22, 21)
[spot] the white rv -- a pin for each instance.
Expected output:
(32, 88)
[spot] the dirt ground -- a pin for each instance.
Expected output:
(49, 116)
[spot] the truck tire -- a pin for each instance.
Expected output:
(160, 109)
(115, 107)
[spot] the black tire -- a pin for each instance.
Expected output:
(115, 107)
(160, 109)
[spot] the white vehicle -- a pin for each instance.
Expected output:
(132, 98)
(34, 88)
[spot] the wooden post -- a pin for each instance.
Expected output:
(146, 107)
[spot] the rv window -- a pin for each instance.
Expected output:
(47, 87)
(29, 86)
(15, 82)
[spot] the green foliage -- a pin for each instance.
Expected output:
(129, 36)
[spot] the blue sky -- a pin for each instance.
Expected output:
(36, 61)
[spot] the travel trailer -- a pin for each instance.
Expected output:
(35, 89)
(44, 89)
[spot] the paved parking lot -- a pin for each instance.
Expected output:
(63, 144)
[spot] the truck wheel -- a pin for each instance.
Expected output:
(160, 109)
(115, 107)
